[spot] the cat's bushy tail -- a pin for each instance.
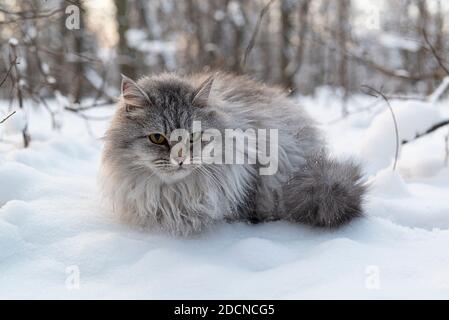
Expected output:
(325, 192)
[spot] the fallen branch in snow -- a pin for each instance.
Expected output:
(376, 93)
(7, 117)
(433, 128)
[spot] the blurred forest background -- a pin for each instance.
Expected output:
(301, 45)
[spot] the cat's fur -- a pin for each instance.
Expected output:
(145, 189)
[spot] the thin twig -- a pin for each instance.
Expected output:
(17, 83)
(23, 15)
(361, 110)
(434, 52)
(92, 106)
(86, 117)
(376, 93)
(9, 116)
(355, 55)
(76, 3)
(252, 40)
(8, 72)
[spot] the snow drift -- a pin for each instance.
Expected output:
(58, 241)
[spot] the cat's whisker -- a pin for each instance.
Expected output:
(210, 175)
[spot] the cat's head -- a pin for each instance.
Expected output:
(151, 112)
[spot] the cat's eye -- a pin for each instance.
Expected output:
(195, 136)
(157, 138)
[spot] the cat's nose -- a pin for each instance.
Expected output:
(178, 160)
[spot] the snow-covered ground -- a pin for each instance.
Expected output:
(54, 231)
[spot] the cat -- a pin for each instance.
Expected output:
(150, 187)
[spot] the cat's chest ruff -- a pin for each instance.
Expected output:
(187, 197)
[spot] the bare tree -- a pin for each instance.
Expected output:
(18, 88)
(286, 33)
(310, 37)
(295, 64)
(343, 8)
(238, 21)
(79, 63)
(126, 53)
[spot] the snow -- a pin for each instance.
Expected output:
(54, 230)
(16, 123)
(135, 36)
(219, 15)
(235, 12)
(441, 90)
(137, 39)
(50, 80)
(98, 82)
(13, 42)
(379, 143)
(393, 41)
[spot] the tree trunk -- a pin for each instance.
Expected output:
(79, 64)
(342, 38)
(126, 54)
(295, 64)
(239, 26)
(287, 78)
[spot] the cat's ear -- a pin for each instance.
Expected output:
(201, 95)
(133, 96)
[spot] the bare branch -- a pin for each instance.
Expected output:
(434, 52)
(376, 93)
(361, 110)
(28, 15)
(353, 53)
(92, 106)
(8, 72)
(12, 59)
(86, 117)
(9, 116)
(296, 63)
(252, 40)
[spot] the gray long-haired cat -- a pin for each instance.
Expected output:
(150, 187)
